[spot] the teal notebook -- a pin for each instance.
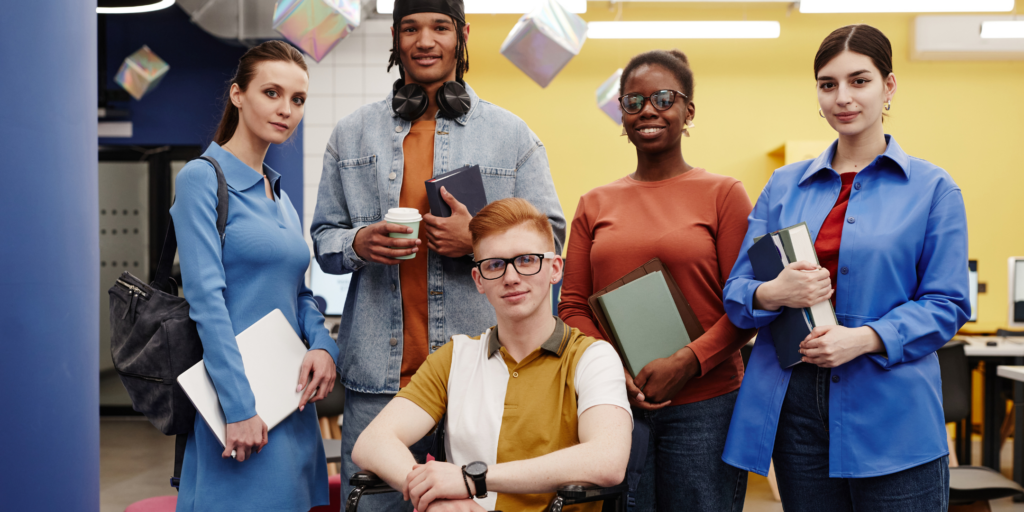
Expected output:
(644, 321)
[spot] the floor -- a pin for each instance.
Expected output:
(136, 462)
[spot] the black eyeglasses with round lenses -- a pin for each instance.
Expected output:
(633, 102)
(525, 264)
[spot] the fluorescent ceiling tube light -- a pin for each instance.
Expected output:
(1002, 29)
(859, 6)
(497, 6)
(155, 6)
(683, 30)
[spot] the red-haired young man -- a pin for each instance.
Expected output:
(539, 406)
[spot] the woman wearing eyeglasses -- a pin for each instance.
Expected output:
(694, 221)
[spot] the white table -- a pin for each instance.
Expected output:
(1016, 373)
(979, 346)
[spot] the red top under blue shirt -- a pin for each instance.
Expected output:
(831, 232)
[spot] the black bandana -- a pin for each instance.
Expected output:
(453, 8)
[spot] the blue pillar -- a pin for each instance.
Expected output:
(49, 257)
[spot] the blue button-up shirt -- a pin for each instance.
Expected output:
(362, 178)
(903, 272)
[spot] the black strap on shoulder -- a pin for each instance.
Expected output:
(163, 269)
(179, 457)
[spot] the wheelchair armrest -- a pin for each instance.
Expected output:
(584, 492)
(369, 481)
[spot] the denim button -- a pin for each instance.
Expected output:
(398, 129)
(844, 270)
(392, 286)
(394, 341)
(856, 185)
(851, 220)
(392, 176)
(835, 378)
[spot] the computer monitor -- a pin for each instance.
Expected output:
(333, 289)
(972, 272)
(1016, 292)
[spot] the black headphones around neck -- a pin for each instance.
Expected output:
(410, 100)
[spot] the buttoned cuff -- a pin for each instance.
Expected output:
(761, 317)
(893, 342)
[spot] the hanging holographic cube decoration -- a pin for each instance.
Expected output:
(141, 72)
(608, 97)
(316, 26)
(544, 41)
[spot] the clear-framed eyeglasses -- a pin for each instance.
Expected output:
(525, 264)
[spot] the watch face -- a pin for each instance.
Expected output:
(476, 469)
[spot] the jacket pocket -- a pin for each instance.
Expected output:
(498, 183)
(359, 183)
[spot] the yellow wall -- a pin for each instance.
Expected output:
(753, 95)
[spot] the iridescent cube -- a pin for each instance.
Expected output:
(316, 26)
(544, 41)
(141, 72)
(608, 97)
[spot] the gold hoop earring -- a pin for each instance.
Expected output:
(820, 113)
(888, 105)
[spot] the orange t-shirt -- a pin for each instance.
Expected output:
(419, 167)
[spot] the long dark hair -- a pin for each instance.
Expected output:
(461, 52)
(247, 67)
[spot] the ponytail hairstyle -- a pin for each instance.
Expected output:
(247, 68)
(674, 61)
(461, 51)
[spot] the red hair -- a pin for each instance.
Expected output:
(505, 214)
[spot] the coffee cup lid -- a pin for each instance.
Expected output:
(403, 215)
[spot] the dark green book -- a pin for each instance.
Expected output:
(644, 321)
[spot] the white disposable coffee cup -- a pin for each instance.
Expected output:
(406, 217)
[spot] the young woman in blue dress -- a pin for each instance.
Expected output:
(858, 424)
(259, 267)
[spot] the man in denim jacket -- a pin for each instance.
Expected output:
(398, 311)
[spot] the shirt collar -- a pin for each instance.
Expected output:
(473, 101)
(238, 175)
(893, 152)
(554, 344)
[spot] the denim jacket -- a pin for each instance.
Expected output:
(902, 272)
(362, 179)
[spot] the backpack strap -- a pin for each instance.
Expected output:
(163, 269)
(179, 457)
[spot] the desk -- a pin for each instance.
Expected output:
(1016, 373)
(1006, 351)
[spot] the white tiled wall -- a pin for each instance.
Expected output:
(352, 75)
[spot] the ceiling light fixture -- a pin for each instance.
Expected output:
(1002, 29)
(131, 7)
(497, 6)
(864, 6)
(683, 30)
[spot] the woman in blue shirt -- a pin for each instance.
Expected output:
(859, 423)
(259, 267)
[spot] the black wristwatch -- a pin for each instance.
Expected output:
(478, 472)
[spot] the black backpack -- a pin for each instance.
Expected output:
(153, 340)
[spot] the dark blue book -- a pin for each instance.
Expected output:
(464, 183)
(792, 326)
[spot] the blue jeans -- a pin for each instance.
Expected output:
(360, 409)
(684, 470)
(801, 461)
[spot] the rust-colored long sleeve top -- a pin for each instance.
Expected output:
(694, 223)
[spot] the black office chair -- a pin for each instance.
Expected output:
(967, 484)
(615, 498)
